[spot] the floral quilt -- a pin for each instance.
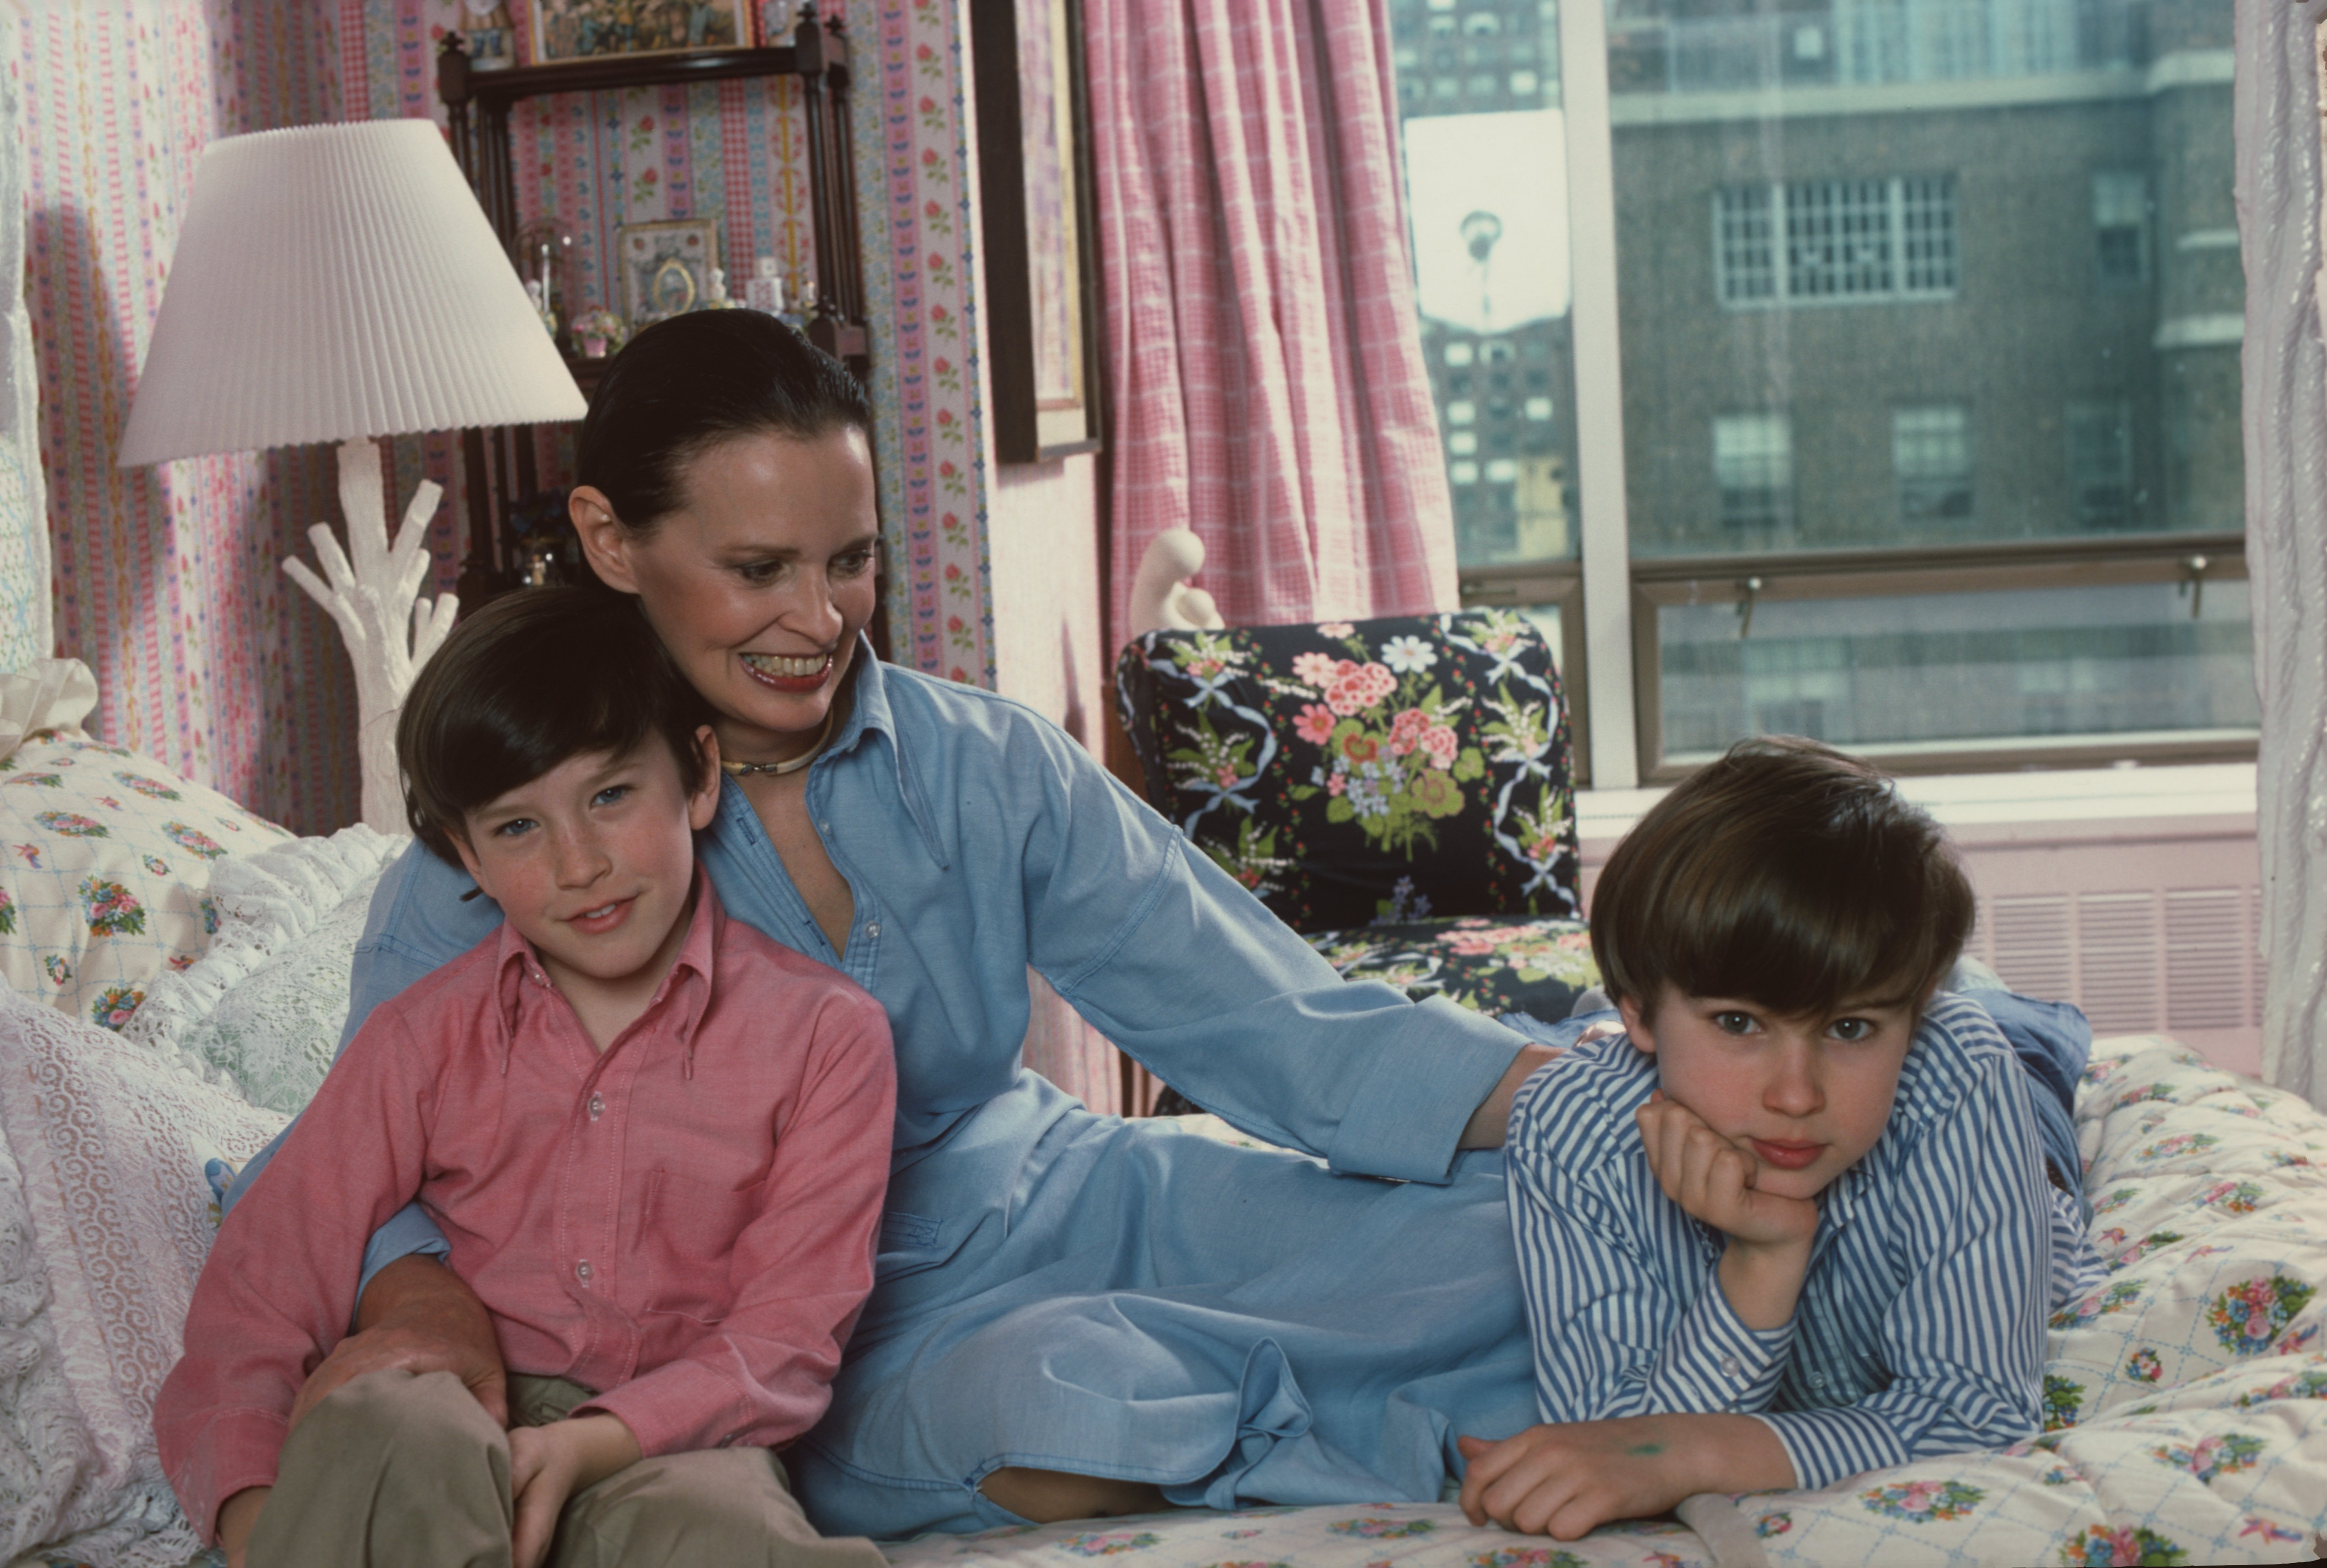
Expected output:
(2186, 1398)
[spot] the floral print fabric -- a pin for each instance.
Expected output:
(1350, 772)
(104, 870)
(1486, 964)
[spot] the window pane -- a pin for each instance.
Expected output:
(2031, 664)
(1848, 211)
(1753, 465)
(1485, 148)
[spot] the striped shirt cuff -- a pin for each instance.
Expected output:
(1828, 1446)
(1714, 1362)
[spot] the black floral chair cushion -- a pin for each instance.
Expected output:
(1487, 964)
(1350, 772)
(1397, 790)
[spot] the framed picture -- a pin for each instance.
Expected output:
(1033, 168)
(563, 30)
(666, 266)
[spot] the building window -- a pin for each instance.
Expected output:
(1930, 453)
(2100, 463)
(1838, 241)
(2121, 225)
(1754, 470)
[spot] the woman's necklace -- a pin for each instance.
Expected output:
(778, 768)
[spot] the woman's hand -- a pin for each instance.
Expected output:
(1566, 1480)
(415, 1316)
(548, 1465)
(238, 1516)
(1492, 1121)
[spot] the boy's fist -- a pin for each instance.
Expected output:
(1712, 1179)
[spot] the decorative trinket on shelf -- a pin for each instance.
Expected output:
(600, 332)
(533, 291)
(714, 293)
(492, 39)
(765, 289)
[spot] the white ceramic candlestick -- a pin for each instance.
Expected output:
(390, 630)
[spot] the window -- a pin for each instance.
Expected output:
(2121, 225)
(1836, 240)
(1753, 471)
(1788, 515)
(1930, 454)
(2100, 463)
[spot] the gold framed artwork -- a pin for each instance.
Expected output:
(567, 30)
(666, 266)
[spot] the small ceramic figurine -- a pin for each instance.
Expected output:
(765, 289)
(715, 297)
(536, 290)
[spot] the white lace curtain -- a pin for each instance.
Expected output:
(2286, 391)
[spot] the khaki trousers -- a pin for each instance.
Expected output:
(395, 1471)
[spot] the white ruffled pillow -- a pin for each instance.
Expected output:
(262, 1010)
(105, 1220)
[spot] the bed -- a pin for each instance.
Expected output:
(2186, 1399)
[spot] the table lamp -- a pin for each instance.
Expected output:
(340, 283)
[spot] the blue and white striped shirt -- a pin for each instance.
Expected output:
(1919, 1330)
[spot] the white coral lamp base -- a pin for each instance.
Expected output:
(390, 630)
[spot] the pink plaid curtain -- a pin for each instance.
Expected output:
(1265, 374)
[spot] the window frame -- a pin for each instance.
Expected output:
(1695, 579)
(1608, 600)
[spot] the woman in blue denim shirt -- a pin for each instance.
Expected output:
(1077, 1314)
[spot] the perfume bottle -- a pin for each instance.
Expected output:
(765, 289)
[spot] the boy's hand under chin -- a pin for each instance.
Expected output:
(549, 1464)
(1769, 1237)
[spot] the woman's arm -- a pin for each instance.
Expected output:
(1177, 963)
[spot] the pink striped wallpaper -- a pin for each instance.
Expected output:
(166, 580)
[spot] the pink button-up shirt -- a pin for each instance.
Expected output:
(685, 1222)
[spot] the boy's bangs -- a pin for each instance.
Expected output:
(1802, 945)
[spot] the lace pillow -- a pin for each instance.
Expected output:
(105, 1220)
(106, 861)
(265, 1006)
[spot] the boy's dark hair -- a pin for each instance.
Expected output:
(1786, 875)
(693, 380)
(534, 677)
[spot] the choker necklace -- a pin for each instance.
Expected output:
(738, 770)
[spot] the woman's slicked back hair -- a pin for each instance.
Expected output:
(693, 380)
(536, 677)
(1785, 874)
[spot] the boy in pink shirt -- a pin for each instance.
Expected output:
(656, 1141)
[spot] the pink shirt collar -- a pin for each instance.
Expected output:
(689, 981)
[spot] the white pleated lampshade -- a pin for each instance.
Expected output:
(333, 282)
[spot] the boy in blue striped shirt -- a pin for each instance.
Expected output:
(1793, 1221)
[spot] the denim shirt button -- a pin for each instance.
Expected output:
(873, 928)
